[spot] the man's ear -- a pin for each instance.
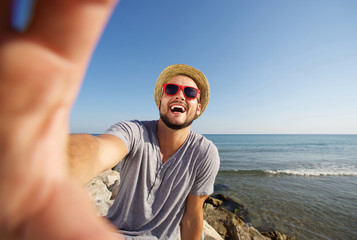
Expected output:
(159, 103)
(198, 111)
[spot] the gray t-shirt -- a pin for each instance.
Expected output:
(152, 195)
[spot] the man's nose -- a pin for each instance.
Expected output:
(180, 95)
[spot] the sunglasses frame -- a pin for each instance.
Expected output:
(180, 87)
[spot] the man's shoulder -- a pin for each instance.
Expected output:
(130, 130)
(142, 123)
(148, 123)
(138, 122)
(207, 155)
(200, 138)
(135, 124)
(202, 142)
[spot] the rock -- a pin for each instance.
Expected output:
(214, 201)
(228, 225)
(100, 195)
(209, 233)
(275, 235)
(114, 189)
(232, 206)
(99, 192)
(233, 228)
(109, 177)
(249, 233)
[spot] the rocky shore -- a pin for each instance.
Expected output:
(223, 218)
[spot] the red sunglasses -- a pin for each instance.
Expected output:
(171, 89)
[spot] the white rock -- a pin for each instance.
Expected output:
(209, 233)
(249, 233)
(109, 177)
(100, 196)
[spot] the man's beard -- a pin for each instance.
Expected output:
(173, 126)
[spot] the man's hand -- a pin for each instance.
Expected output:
(40, 73)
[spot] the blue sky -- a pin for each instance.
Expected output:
(274, 66)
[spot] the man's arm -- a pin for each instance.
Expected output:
(89, 155)
(192, 220)
(41, 70)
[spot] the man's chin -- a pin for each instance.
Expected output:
(175, 126)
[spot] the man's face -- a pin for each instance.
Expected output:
(177, 111)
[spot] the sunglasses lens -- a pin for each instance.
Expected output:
(190, 92)
(171, 89)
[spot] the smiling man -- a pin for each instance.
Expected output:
(166, 170)
(179, 114)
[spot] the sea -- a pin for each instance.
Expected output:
(300, 185)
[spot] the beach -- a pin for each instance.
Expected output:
(301, 185)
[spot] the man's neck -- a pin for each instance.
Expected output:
(170, 140)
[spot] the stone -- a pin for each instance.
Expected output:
(223, 221)
(100, 196)
(114, 189)
(214, 201)
(222, 216)
(209, 233)
(109, 177)
(232, 206)
(249, 233)
(99, 192)
(229, 226)
(275, 235)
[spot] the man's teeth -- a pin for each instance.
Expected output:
(178, 108)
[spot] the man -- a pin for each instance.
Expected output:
(40, 73)
(167, 170)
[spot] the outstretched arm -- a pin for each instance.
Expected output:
(90, 155)
(40, 73)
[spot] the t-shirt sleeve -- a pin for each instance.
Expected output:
(128, 132)
(206, 173)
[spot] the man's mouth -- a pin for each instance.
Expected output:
(176, 108)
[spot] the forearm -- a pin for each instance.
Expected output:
(83, 150)
(191, 227)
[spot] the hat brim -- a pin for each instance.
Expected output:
(181, 69)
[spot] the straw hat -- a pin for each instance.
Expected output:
(182, 69)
